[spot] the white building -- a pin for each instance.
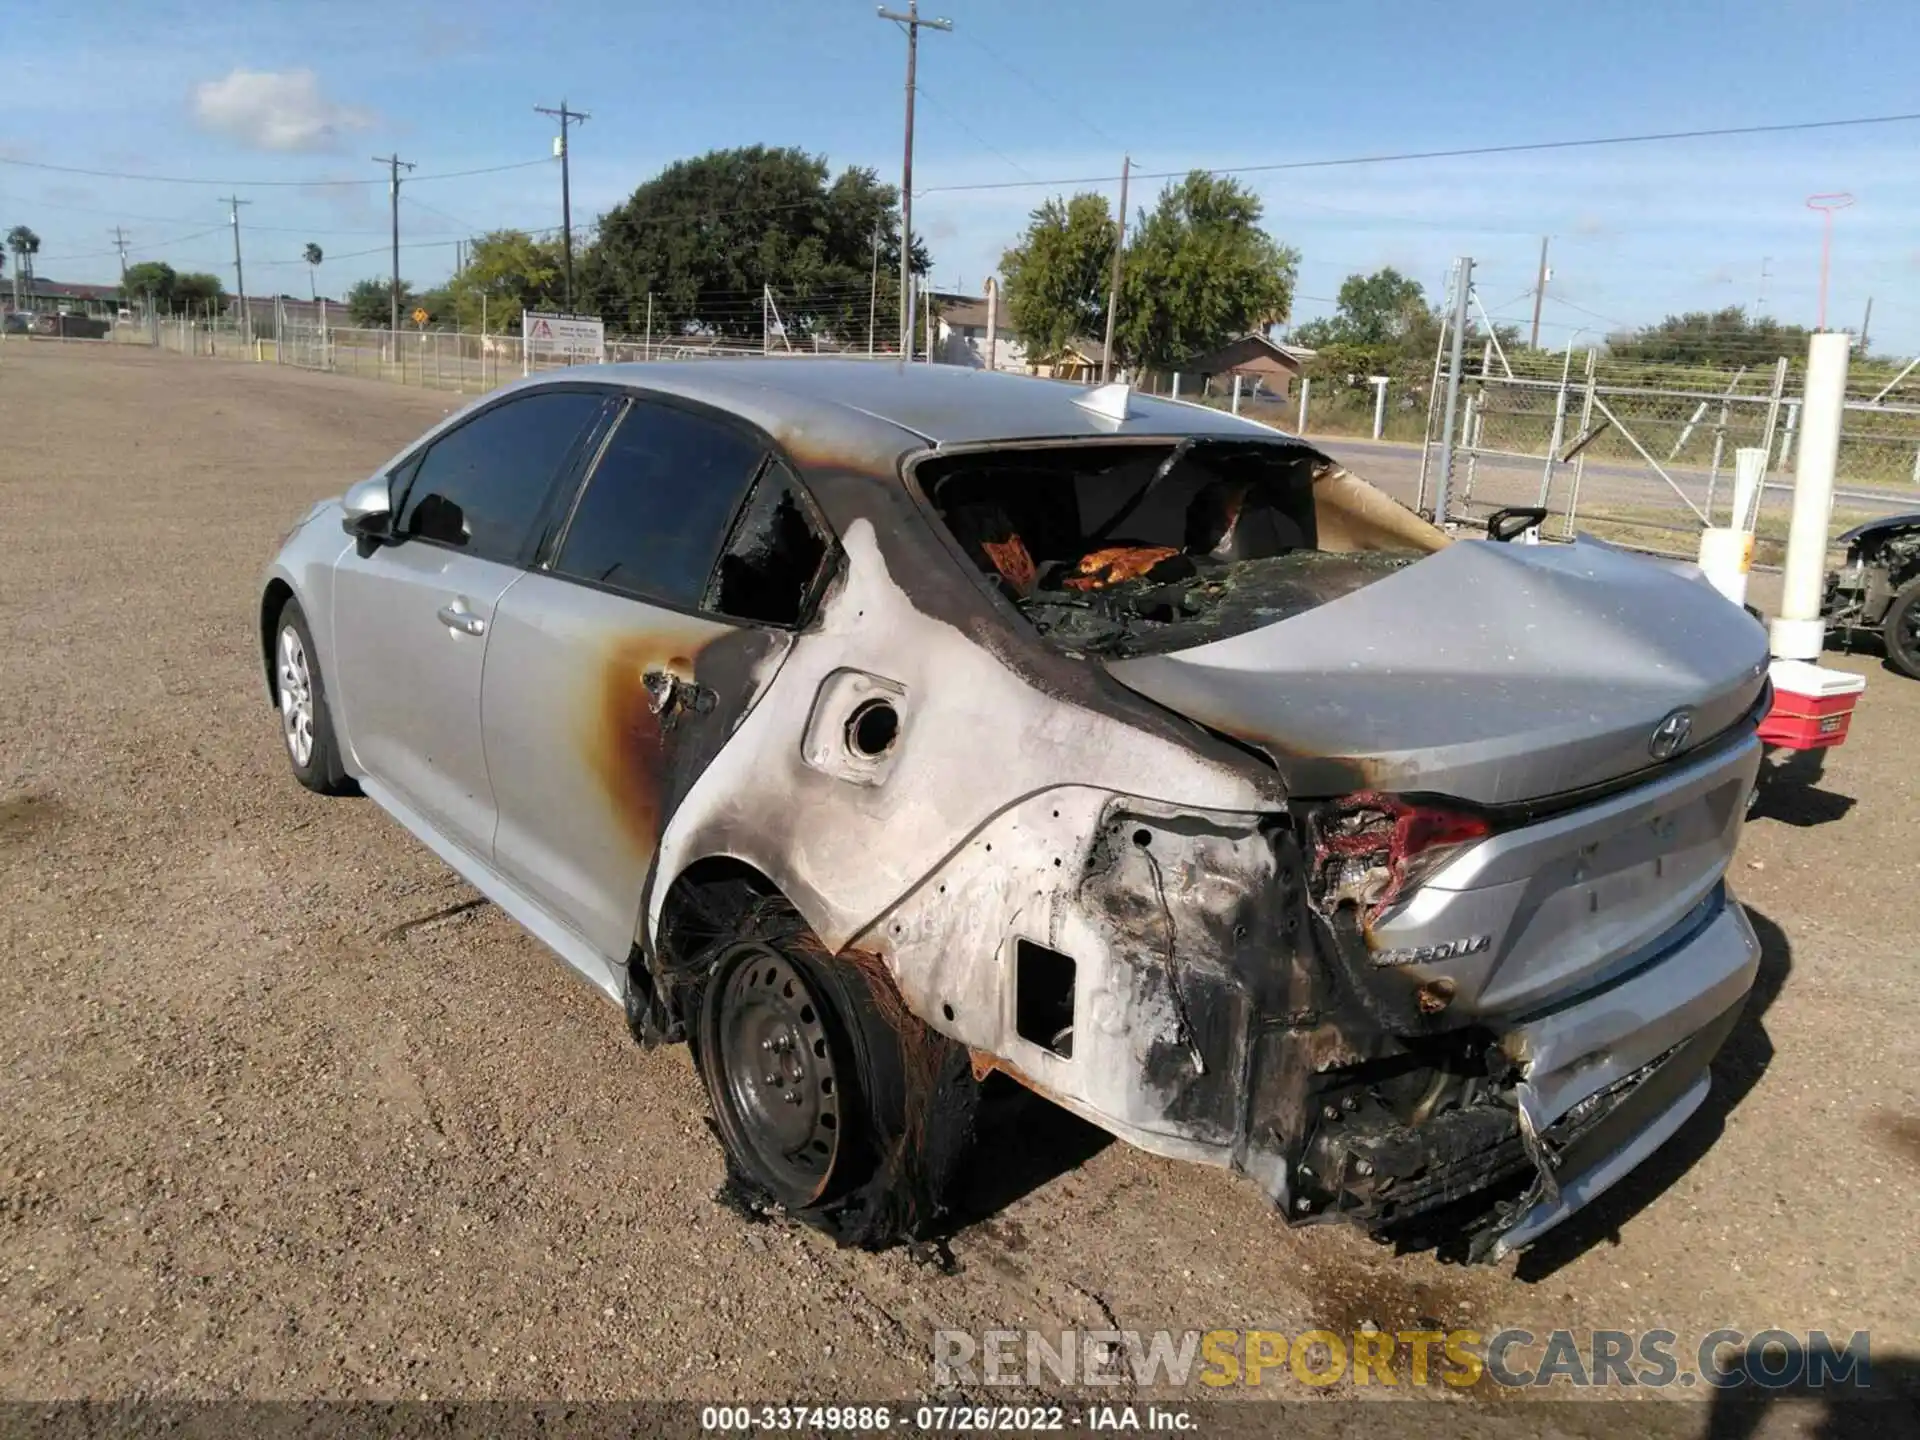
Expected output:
(960, 331)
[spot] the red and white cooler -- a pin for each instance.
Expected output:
(1812, 705)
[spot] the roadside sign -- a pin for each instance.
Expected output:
(573, 338)
(420, 316)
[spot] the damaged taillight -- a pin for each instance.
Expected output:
(1368, 850)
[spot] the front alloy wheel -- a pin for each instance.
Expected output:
(300, 692)
(296, 696)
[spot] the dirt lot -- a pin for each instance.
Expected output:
(267, 1136)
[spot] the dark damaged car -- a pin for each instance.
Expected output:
(877, 728)
(1877, 589)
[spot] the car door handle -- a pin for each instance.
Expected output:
(668, 693)
(458, 618)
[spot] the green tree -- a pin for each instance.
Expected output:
(1383, 308)
(1726, 338)
(1200, 271)
(1056, 279)
(1383, 325)
(507, 271)
(705, 235)
(196, 289)
(150, 282)
(313, 255)
(369, 303)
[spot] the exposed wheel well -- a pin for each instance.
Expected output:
(706, 906)
(272, 600)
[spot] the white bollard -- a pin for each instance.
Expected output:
(1799, 633)
(1749, 476)
(1379, 383)
(1726, 555)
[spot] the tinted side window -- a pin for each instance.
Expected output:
(481, 486)
(657, 509)
(773, 556)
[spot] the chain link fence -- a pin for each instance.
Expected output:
(465, 362)
(1644, 454)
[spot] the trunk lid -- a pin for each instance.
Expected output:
(1493, 673)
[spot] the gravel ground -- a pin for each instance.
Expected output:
(273, 1132)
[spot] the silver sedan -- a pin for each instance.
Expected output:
(873, 728)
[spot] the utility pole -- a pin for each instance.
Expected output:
(1539, 294)
(566, 117)
(234, 202)
(393, 164)
(873, 289)
(1760, 306)
(911, 23)
(1462, 283)
(1865, 321)
(120, 243)
(1113, 285)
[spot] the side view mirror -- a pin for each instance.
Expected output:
(1511, 523)
(368, 509)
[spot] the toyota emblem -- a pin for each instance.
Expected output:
(1670, 735)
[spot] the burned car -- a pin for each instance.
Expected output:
(1877, 589)
(876, 728)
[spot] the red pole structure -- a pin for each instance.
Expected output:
(1826, 205)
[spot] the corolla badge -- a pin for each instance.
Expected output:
(1670, 735)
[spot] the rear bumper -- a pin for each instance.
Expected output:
(1608, 1078)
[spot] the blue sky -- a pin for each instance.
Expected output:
(296, 92)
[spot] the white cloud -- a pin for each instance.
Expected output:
(275, 110)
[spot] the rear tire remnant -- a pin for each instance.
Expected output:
(906, 1096)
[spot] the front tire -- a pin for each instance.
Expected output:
(1901, 629)
(306, 725)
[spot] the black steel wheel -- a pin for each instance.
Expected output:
(831, 1099)
(774, 1068)
(1902, 629)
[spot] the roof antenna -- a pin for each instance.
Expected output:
(1107, 401)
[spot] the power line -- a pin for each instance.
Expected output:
(1037, 88)
(1471, 150)
(467, 225)
(100, 254)
(257, 184)
(978, 138)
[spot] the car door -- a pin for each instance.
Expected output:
(622, 663)
(411, 615)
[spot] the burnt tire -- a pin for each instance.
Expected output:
(830, 1100)
(300, 694)
(1901, 629)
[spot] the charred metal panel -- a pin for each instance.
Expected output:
(599, 712)
(979, 736)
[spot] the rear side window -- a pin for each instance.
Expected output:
(773, 558)
(659, 505)
(482, 486)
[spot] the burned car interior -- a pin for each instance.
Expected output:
(1130, 549)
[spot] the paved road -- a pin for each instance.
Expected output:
(1607, 489)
